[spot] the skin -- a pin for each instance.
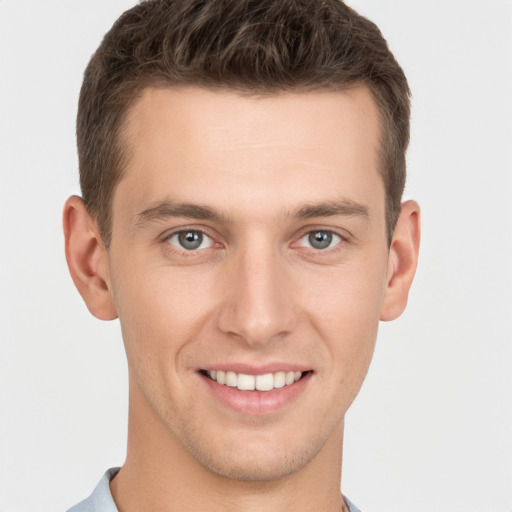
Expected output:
(266, 172)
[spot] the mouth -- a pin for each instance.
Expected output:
(246, 382)
(251, 393)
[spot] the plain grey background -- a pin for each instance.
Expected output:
(432, 427)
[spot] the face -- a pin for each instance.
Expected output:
(248, 266)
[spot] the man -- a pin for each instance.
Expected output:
(242, 165)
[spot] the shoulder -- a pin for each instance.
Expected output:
(101, 498)
(350, 505)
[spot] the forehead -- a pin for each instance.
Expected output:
(214, 115)
(208, 145)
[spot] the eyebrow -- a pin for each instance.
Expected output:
(342, 207)
(168, 209)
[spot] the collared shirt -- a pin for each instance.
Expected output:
(101, 498)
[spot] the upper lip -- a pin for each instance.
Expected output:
(251, 369)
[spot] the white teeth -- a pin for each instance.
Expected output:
(265, 382)
(244, 382)
(279, 379)
(231, 379)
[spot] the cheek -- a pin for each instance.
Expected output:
(345, 311)
(347, 299)
(161, 311)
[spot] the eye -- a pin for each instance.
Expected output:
(320, 239)
(190, 240)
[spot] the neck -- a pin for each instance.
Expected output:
(160, 474)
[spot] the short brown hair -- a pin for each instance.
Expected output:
(249, 46)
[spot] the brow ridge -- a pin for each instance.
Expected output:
(166, 209)
(344, 207)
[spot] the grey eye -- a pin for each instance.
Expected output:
(320, 239)
(190, 240)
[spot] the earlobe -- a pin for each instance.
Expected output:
(403, 260)
(87, 259)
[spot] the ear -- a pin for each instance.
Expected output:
(87, 259)
(402, 262)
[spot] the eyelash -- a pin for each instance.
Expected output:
(342, 239)
(332, 234)
(181, 251)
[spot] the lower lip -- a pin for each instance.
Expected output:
(257, 402)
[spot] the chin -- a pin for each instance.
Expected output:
(262, 468)
(255, 462)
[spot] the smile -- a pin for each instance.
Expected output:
(256, 391)
(245, 382)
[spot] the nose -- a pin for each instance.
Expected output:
(257, 297)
